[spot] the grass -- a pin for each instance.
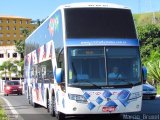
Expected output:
(3, 115)
(147, 18)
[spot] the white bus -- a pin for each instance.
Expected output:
(70, 61)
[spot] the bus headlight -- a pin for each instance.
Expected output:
(135, 95)
(77, 98)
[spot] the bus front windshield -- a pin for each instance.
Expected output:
(103, 66)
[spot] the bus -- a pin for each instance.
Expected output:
(70, 57)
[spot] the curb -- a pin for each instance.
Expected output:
(14, 114)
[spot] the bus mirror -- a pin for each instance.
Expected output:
(59, 75)
(144, 74)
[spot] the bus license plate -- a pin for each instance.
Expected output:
(108, 109)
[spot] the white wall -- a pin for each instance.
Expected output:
(8, 49)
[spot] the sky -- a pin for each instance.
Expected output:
(40, 9)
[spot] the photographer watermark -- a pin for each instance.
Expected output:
(144, 116)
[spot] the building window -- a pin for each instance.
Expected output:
(8, 42)
(0, 21)
(14, 35)
(14, 55)
(14, 28)
(14, 21)
(0, 28)
(20, 21)
(1, 55)
(7, 28)
(20, 28)
(7, 21)
(27, 22)
(8, 55)
(1, 42)
(1, 35)
(8, 35)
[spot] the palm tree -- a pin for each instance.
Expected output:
(21, 65)
(7, 68)
(154, 71)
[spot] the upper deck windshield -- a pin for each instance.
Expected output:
(99, 23)
(95, 67)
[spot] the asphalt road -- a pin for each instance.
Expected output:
(150, 108)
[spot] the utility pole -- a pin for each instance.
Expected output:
(153, 18)
(153, 14)
(5, 73)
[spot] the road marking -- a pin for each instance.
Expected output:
(13, 111)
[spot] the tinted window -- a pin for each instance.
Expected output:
(42, 72)
(103, 66)
(123, 66)
(99, 23)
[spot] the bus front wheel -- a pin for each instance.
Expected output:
(59, 115)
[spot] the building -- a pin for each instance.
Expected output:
(11, 29)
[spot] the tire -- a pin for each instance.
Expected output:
(153, 97)
(52, 107)
(28, 96)
(29, 101)
(34, 104)
(48, 105)
(59, 115)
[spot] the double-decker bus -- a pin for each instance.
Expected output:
(70, 60)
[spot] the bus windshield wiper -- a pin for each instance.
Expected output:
(124, 80)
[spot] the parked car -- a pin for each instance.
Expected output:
(149, 91)
(12, 87)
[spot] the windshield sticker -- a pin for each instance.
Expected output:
(70, 74)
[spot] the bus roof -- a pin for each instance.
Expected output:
(93, 4)
(82, 5)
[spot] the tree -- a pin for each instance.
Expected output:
(21, 65)
(20, 44)
(154, 70)
(149, 36)
(8, 68)
(20, 48)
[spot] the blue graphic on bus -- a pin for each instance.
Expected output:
(123, 97)
(91, 106)
(107, 94)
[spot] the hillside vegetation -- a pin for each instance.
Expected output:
(148, 29)
(147, 18)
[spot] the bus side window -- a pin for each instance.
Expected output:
(61, 59)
